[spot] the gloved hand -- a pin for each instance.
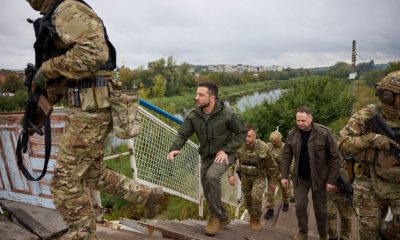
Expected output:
(38, 121)
(39, 81)
(381, 142)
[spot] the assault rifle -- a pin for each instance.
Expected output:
(378, 125)
(35, 100)
(347, 189)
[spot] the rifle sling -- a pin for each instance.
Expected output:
(22, 144)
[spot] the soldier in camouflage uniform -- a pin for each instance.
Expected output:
(72, 49)
(337, 203)
(255, 162)
(377, 170)
(276, 145)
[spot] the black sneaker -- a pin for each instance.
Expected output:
(285, 207)
(269, 214)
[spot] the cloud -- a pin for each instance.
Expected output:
(290, 33)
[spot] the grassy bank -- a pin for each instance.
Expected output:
(364, 95)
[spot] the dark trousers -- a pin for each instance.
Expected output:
(319, 198)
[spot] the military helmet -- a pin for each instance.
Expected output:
(36, 4)
(388, 87)
(275, 136)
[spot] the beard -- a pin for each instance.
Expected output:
(202, 105)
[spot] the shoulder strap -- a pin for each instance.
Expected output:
(51, 9)
(22, 145)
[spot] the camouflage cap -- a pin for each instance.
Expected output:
(275, 136)
(390, 82)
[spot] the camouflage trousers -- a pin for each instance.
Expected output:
(286, 192)
(337, 203)
(79, 165)
(253, 189)
(372, 208)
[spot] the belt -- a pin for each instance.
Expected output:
(89, 83)
(74, 88)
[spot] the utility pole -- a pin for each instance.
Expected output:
(353, 75)
(353, 55)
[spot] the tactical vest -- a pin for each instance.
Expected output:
(46, 35)
(385, 165)
(249, 160)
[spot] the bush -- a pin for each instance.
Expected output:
(329, 99)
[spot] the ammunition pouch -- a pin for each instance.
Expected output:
(125, 112)
(249, 171)
(89, 94)
(387, 167)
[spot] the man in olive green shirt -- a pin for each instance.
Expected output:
(220, 133)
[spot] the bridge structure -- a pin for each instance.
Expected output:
(147, 153)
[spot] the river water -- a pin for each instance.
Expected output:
(248, 100)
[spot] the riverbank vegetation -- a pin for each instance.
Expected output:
(328, 98)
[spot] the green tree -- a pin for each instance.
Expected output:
(12, 83)
(126, 76)
(329, 99)
(372, 77)
(158, 90)
(14, 103)
(393, 66)
(143, 91)
(340, 70)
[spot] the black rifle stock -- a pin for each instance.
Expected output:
(347, 189)
(35, 100)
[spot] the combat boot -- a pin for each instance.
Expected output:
(285, 207)
(300, 236)
(155, 199)
(224, 222)
(212, 226)
(269, 214)
(255, 224)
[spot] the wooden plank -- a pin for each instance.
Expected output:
(28, 199)
(237, 230)
(10, 231)
(287, 221)
(270, 223)
(18, 183)
(43, 222)
(312, 222)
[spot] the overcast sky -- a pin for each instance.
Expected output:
(289, 33)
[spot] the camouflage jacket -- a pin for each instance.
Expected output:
(80, 31)
(220, 130)
(276, 152)
(355, 141)
(325, 158)
(276, 155)
(262, 155)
